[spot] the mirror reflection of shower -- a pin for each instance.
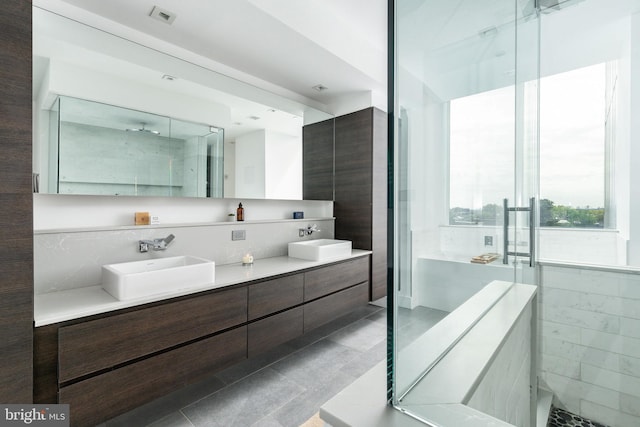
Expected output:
(143, 129)
(103, 149)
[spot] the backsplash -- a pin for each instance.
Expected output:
(73, 259)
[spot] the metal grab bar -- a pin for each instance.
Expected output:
(532, 234)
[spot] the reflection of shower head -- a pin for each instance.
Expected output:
(142, 129)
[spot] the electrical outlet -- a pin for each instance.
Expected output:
(488, 240)
(238, 234)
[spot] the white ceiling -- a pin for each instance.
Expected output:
(292, 44)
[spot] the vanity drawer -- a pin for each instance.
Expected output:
(326, 309)
(326, 280)
(104, 396)
(103, 343)
(275, 295)
(274, 330)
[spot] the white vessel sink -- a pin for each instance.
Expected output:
(137, 279)
(320, 249)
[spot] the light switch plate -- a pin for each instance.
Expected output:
(238, 235)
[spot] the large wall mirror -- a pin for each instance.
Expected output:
(113, 117)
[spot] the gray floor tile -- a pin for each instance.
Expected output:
(176, 419)
(361, 335)
(315, 364)
(300, 409)
(364, 362)
(268, 421)
(379, 316)
(245, 402)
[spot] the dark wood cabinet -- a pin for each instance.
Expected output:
(353, 147)
(324, 310)
(274, 330)
(360, 201)
(317, 161)
(104, 396)
(275, 295)
(326, 280)
(110, 363)
(100, 344)
(16, 204)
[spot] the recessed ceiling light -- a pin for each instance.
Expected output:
(168, 77)
(237, 123)
(162, 15)
(271, 110)
(320, 87)
(253, 117)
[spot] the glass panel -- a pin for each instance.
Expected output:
(109, 150)
(466, 141)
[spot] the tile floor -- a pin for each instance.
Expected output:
(561, 418)
(287, 385)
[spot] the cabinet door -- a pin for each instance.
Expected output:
(353, 178)
(102, 397)
(103, 343)
(275, 295)
(317, 161)
(274, 330)
(326, 280)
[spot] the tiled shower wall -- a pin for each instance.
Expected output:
(590, 342)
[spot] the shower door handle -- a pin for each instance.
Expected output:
(505, 231)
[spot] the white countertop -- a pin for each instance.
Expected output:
(80, 302)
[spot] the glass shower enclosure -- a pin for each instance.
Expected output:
(466, 85)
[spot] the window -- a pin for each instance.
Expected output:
(572, 148)
(572, 152)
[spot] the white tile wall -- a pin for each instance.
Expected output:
(504, 389)
(589, 342)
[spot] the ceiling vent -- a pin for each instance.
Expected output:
(162, 15)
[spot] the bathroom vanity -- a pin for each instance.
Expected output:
(124, 355)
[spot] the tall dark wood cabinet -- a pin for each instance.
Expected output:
(317, 161)
(345, 160)
(16, 205)
(360, 200)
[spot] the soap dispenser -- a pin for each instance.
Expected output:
(240, 213)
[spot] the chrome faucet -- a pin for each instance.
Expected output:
(308, 231)
(155, 244)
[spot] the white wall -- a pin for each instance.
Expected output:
(283, 166)
(268, 165)
(69, 259)
(56, 211)
(250, 165)
(634, 142)
(590, 342)
(75, 81)
(229, 169)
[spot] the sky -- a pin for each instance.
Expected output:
(572, 112)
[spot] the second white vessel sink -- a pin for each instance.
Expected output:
(320, 249)
(137, 279)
